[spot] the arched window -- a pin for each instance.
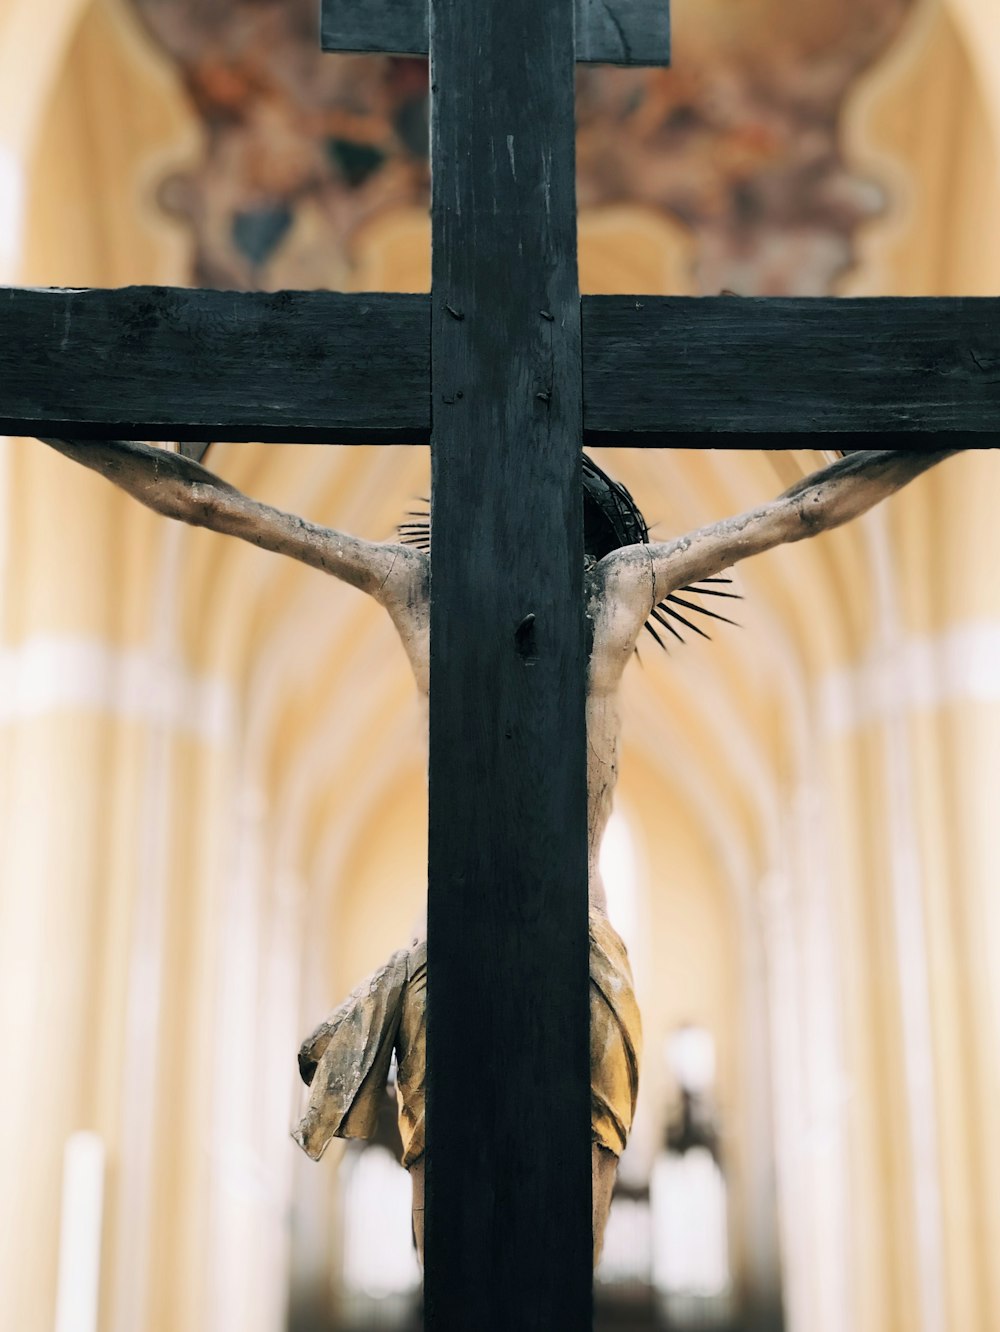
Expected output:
(618, 871)
(690, 1242)
(624, 1274)
(380, 1275)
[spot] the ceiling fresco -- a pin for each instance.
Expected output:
(739, 143)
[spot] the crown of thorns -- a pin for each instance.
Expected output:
(611, 519)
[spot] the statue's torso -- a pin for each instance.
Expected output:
(614, 624)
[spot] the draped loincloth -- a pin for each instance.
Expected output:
(346, 1060)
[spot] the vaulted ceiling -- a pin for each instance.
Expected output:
(858, 153)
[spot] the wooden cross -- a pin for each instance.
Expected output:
(505, 372)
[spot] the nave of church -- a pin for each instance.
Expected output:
(212, 770)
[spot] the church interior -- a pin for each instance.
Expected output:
(212, 774)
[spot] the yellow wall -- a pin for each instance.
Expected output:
(212, 809)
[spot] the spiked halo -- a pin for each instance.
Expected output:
(611, 519)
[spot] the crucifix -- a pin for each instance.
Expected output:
(506, 372)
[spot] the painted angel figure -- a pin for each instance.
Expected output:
(631, 583)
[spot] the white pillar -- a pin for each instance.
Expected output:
(12, 198)
(78, 1288)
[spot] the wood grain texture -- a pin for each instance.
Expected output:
(747, 371)
(508, 1223)
(165, 363)
(611, 32)
(159, 363)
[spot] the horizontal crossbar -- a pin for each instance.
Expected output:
(659, 367)
(169, 363)
(611, 32)
(311, 367)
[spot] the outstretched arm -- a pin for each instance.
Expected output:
(636, 578)
(180, 488)
(836, 494)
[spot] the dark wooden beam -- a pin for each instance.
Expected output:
(735, 372)
(508, 1221)
(612, 32)
(165, 363)
(658, 371)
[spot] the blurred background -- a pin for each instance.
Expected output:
(212, 794)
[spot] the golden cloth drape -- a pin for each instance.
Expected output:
(346, 1059)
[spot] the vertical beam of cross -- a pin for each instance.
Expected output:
(508, 1223)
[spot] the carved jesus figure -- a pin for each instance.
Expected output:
(627, 580)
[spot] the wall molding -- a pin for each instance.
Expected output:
(960, 665)
(48, 674)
